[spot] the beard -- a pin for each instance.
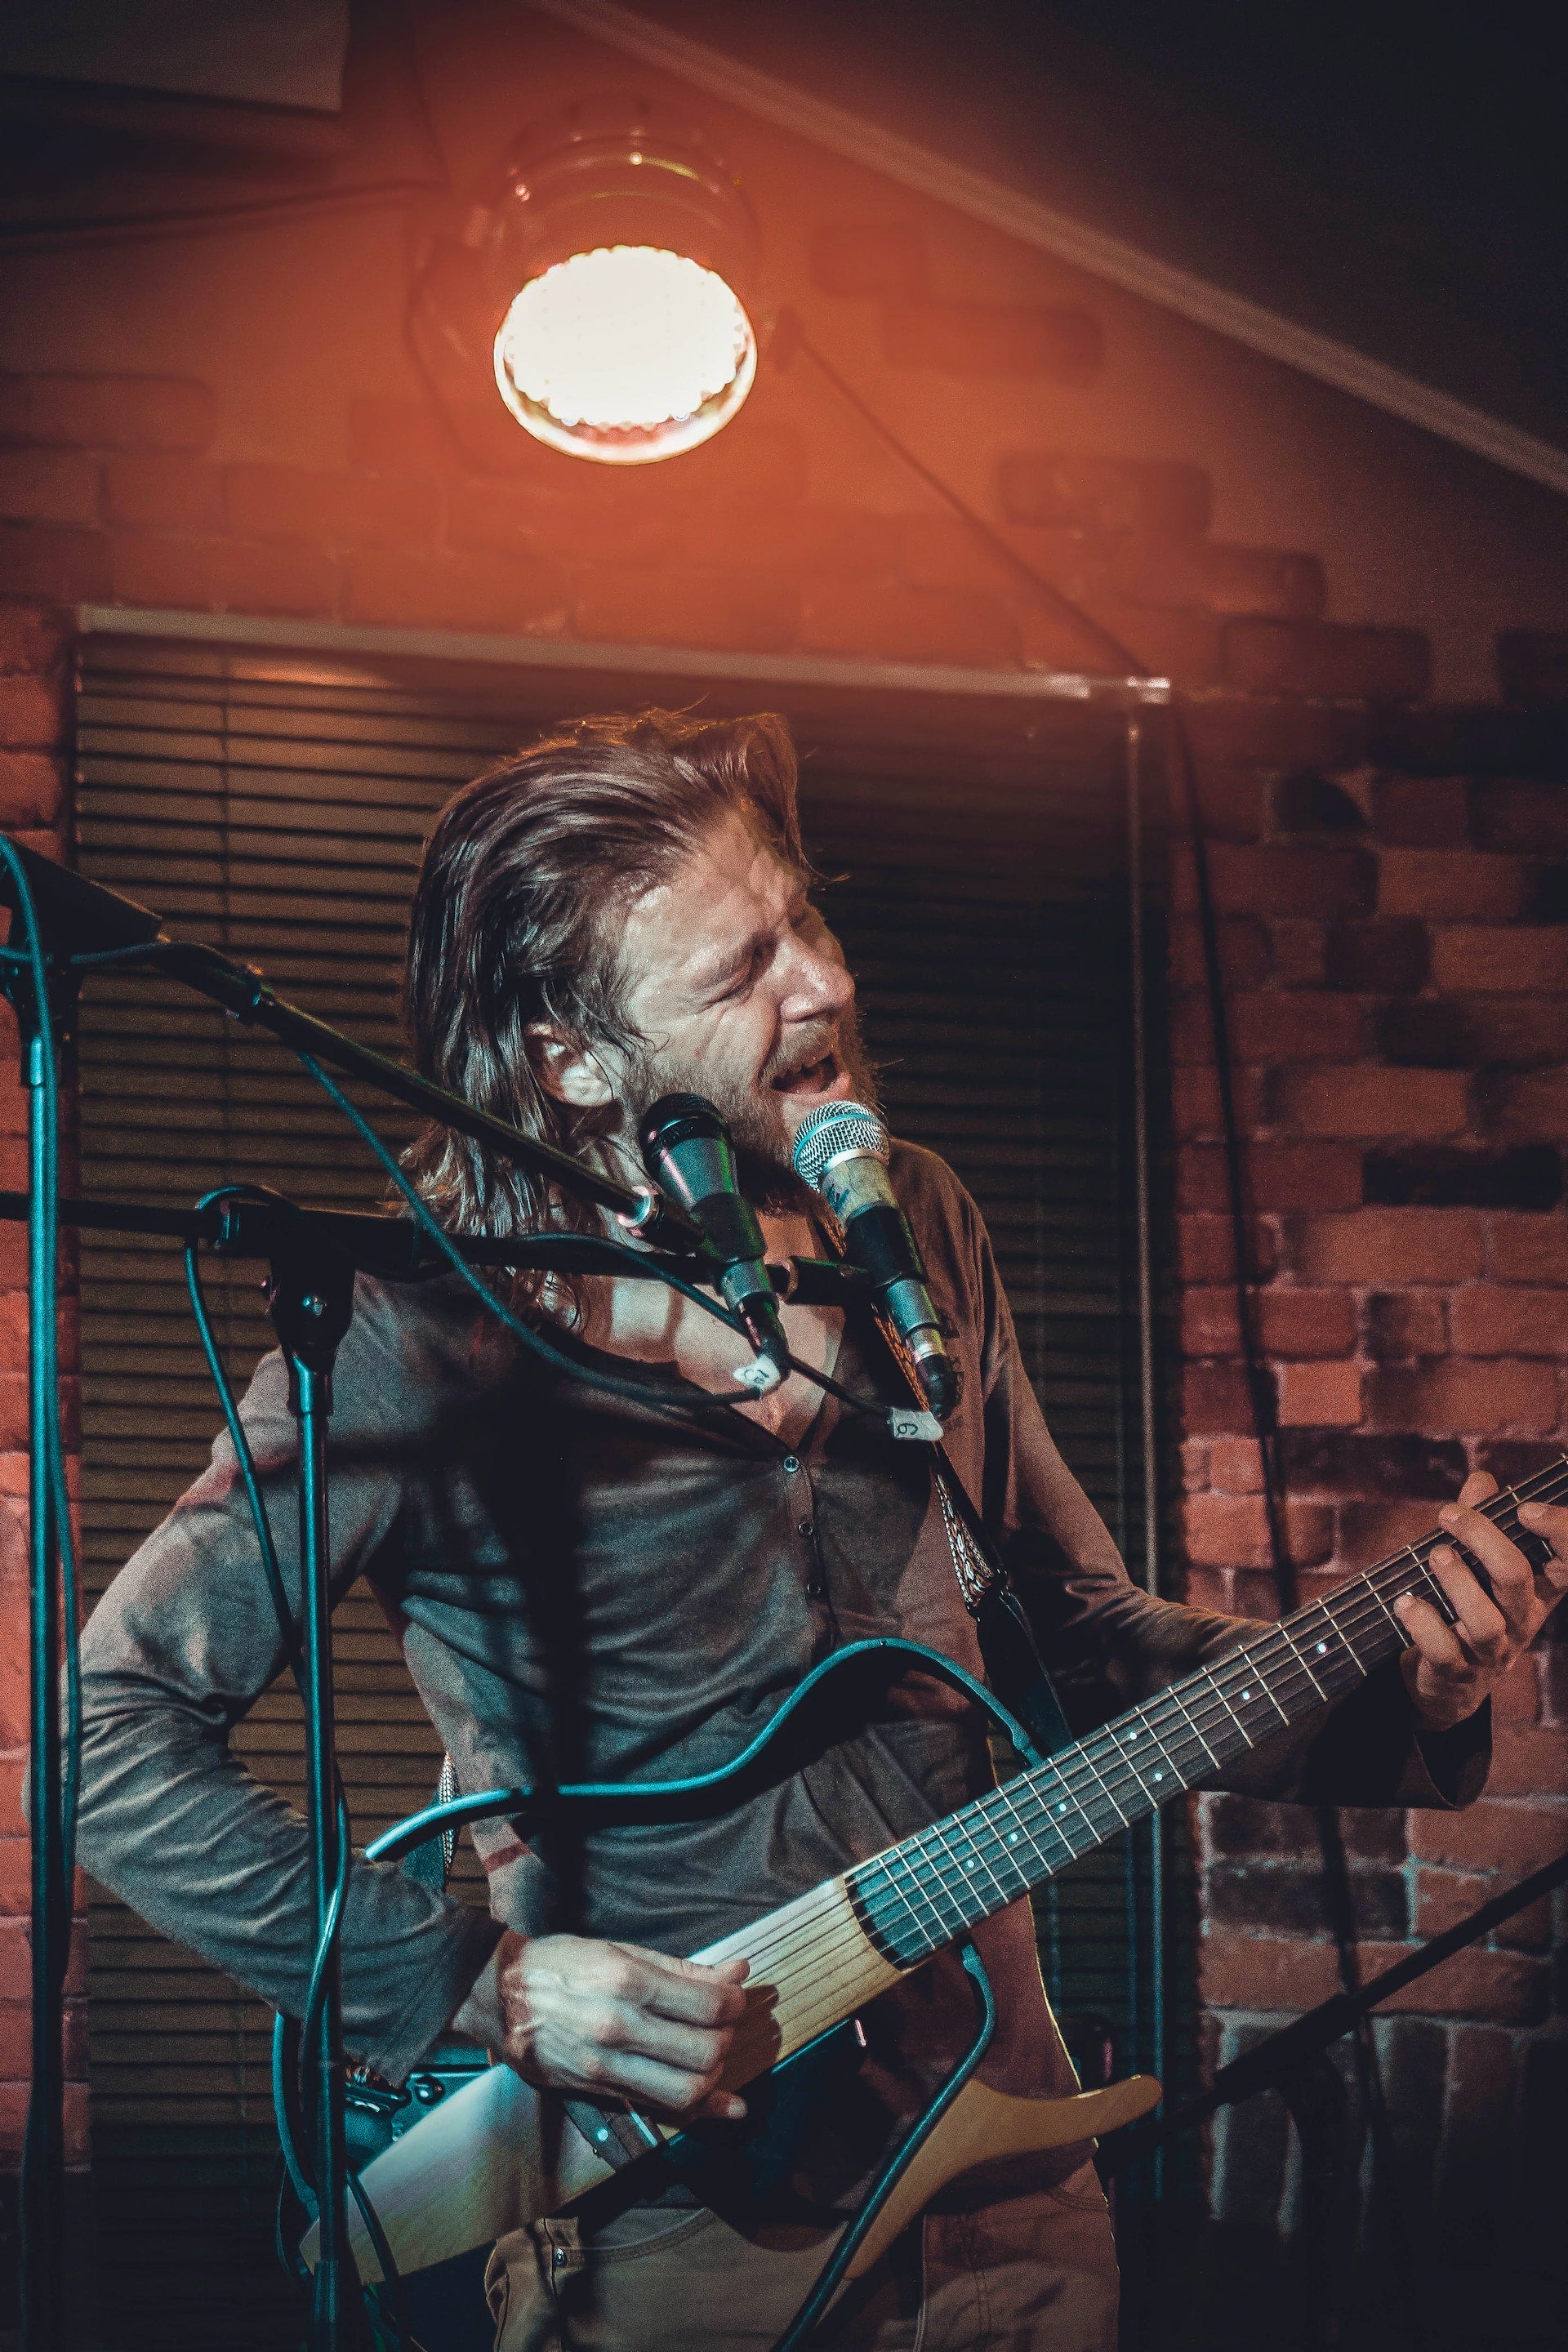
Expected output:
(754, 1110)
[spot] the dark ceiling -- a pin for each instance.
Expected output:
(1394, 176)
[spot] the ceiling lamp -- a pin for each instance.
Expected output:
(627, 353)
(620, 267)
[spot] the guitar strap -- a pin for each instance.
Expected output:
(1013, 1666)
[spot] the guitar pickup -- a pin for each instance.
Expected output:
(618, 2134)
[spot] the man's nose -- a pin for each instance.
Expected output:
(818, 987)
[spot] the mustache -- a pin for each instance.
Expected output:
(801, 1057)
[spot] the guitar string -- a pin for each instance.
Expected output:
(827, 2000)
(1120, 1773)
(951, 1888)
(951, 1885)
(986, 1810)
(1330, 1615)
(846, 1942)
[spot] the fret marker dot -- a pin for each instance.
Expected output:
(1322, 1649)
(1159, 1776)
(1246, 1696)
(1061, 1808)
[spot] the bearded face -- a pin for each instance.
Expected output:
(763, 1112)
(737, 990)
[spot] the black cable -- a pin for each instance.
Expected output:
(91, 228)
(684, 1398)
(288, 1630)
(791, 334)
(83, 962)
(284, 2061)
(1339, 1897)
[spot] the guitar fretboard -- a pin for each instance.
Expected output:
(922, 1894)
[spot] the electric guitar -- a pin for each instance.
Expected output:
(498, 2154)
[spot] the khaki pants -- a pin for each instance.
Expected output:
(1034, 2272)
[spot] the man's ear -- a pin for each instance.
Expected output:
(567, 1068)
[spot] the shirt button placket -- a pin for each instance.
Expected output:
(805, 1527)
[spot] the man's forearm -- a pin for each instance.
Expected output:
(177, 1828)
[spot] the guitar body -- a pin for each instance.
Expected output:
(498, 2154)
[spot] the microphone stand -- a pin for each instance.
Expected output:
(311, 1301)
(312, 1258)
(43, 2230)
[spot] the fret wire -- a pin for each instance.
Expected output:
(1259, 1665)
(1235, 1658)
(1119, 1767)
(1327, 1612)
(1023, 1829)
(1041, 1791)
(1094, 1767)
(936, 1840)
(1140, 1727)
(915, 1855)
(884, 1877)
(1070, 1796)
(1279, 1641)
(1369, 1605)
(1372, 1618)
(1301, 1662)
(1359, 1612)
(1003, 1856)
(981, 1811)
(925, 1842)
(973, 1848)
(964, 1885)
(920, 1882)
(931, 1889)
(961, 1826)
(1173, 1697)
(1309, 1622)
(1050, 1783)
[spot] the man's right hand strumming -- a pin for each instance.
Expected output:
(610, 2020)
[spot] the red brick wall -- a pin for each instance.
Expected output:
(1396, 946)
(33, 733)
(1391, 941)
(107, 493)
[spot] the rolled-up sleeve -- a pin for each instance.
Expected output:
(181, 1646)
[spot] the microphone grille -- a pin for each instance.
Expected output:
(835, 1133)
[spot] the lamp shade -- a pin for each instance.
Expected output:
(623, 267)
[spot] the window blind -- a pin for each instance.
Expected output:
(975, 868)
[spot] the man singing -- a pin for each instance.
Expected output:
(588, 1586)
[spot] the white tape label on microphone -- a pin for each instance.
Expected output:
(923, 1428)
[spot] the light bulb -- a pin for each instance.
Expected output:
(626, 353)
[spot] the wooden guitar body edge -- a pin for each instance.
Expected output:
(496, 2154)
(984, 2124)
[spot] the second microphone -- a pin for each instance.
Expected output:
(687, 1151)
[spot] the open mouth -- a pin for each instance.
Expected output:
(817, 1078)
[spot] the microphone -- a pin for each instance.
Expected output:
(841, 1152)
(686, 1149)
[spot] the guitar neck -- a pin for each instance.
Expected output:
(920, 1895)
